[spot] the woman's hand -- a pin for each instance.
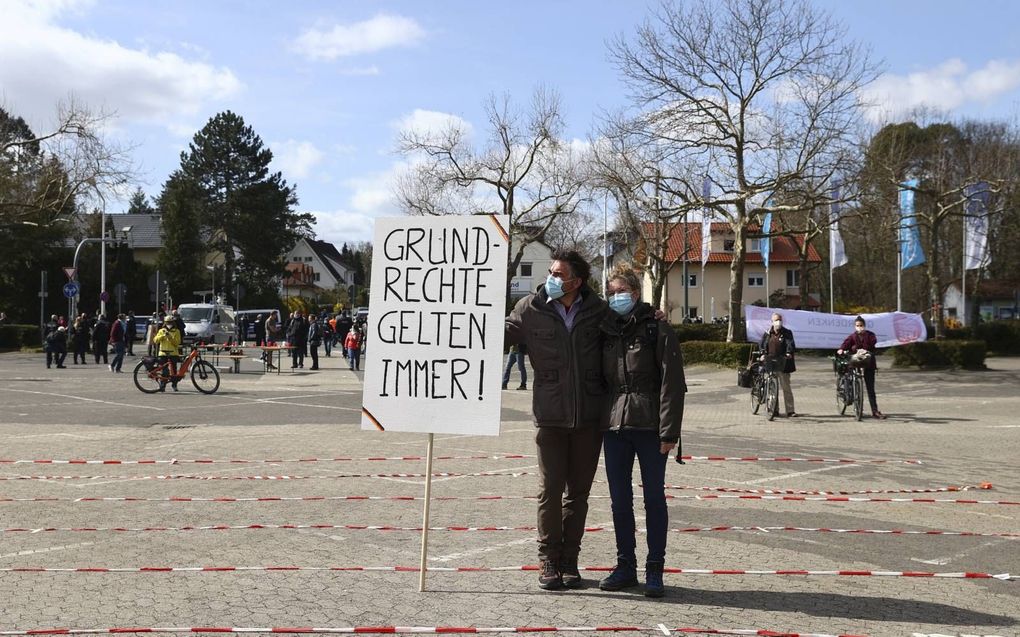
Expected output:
(666, 447)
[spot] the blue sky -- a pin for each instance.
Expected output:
(328, 85)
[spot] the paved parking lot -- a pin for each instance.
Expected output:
(962, 427)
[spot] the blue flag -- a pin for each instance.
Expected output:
(911, 252)
(766, 243)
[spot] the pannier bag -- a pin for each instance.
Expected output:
(744, 378)
(149, 362)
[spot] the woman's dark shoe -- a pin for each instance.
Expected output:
(878, 414)
(653, 580)
(570, 575)
(623, 576)
(549, 577)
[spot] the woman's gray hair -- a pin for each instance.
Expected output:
(628, 275)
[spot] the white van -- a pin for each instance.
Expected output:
(208, 323)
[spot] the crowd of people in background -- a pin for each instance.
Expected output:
(85, 334)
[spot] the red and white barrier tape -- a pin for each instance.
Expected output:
(268, 478)
(430, 630)
(949, 489)
(417, 529)
(321, 498)
(495, 569)
(176, 461)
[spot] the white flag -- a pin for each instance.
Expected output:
(837, 251)
(976, 226)
(706, 223)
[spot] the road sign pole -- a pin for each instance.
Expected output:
(42, 302)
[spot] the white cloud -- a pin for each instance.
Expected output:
(296, 159)
(430, 124)
(383, 31)
(946, 87)
(44, 63)
(343, 226)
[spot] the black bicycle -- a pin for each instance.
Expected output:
(849, 384)
(765, 387)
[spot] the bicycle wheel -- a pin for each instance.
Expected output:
(757, 394)
(205, 377)
(858, 396)
(845, 395)
(143, 380)
(772, 398)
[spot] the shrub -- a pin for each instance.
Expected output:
(18, 336)
(943, 353)
(1002, 337)
(732, 355)
(700, 332)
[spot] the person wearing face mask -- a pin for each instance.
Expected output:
(559, 324)
(778, 345)
(864, 339)
(644, 369)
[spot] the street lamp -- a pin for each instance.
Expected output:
(102, 240)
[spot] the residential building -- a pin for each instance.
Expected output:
(324, 270)
(708, 288)
(532, 269)
(989, 299)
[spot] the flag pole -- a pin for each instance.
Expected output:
(963, 277)
(832, 292)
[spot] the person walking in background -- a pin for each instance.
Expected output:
(777, 344)
(100, 338)
(343, 327)
(50, 327)
(314, 339)
(560, 326)
(353, 346)
(260, 330)
(864, 340)
(132, 332)
(327, 335)
(118, 339)
(644, 368)
(57, 346)
(297, 336)
(516, 357)
(150, 335)
(79, 340)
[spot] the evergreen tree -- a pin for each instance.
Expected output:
(247, 212)
(139, 204)
(183, 253)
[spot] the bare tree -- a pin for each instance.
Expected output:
(73, 165)
(523, 169)
(758, 93)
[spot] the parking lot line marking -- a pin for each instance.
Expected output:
(90, 400)
(796, 474)
(51, 549)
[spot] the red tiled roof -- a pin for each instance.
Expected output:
(784, 250)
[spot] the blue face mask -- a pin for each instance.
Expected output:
(554, 287)
(621, 303)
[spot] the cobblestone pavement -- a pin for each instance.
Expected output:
(962, 426)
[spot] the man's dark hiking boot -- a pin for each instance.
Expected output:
(623, 576)
(549, 576)
(569, 573)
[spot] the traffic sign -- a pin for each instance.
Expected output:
(70, 272)
(71, 289)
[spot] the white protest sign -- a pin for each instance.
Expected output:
(816, 330)
(436, 325)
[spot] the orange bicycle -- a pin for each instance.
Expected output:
(152, 376)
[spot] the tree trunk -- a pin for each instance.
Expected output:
(736, 330)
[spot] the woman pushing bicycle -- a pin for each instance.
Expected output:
(863, 340)
(168, 338)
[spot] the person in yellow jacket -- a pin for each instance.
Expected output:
(168, 339)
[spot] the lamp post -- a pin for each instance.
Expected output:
(103, 240)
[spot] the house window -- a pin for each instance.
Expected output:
(793, 278)
(692, 280)
(727, 245)
(692, 312)
(754, 245)
(308, 259)
(525, 269)
(755, 280)
(316, 276)
(297, 259)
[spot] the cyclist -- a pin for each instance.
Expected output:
(168, 339)
(864, 340)
(778, 344)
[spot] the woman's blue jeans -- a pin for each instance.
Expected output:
(620, 449)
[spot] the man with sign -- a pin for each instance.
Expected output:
(560, 326)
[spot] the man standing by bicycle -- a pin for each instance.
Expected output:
(778, 345)
(168, 339)
(864, 340)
